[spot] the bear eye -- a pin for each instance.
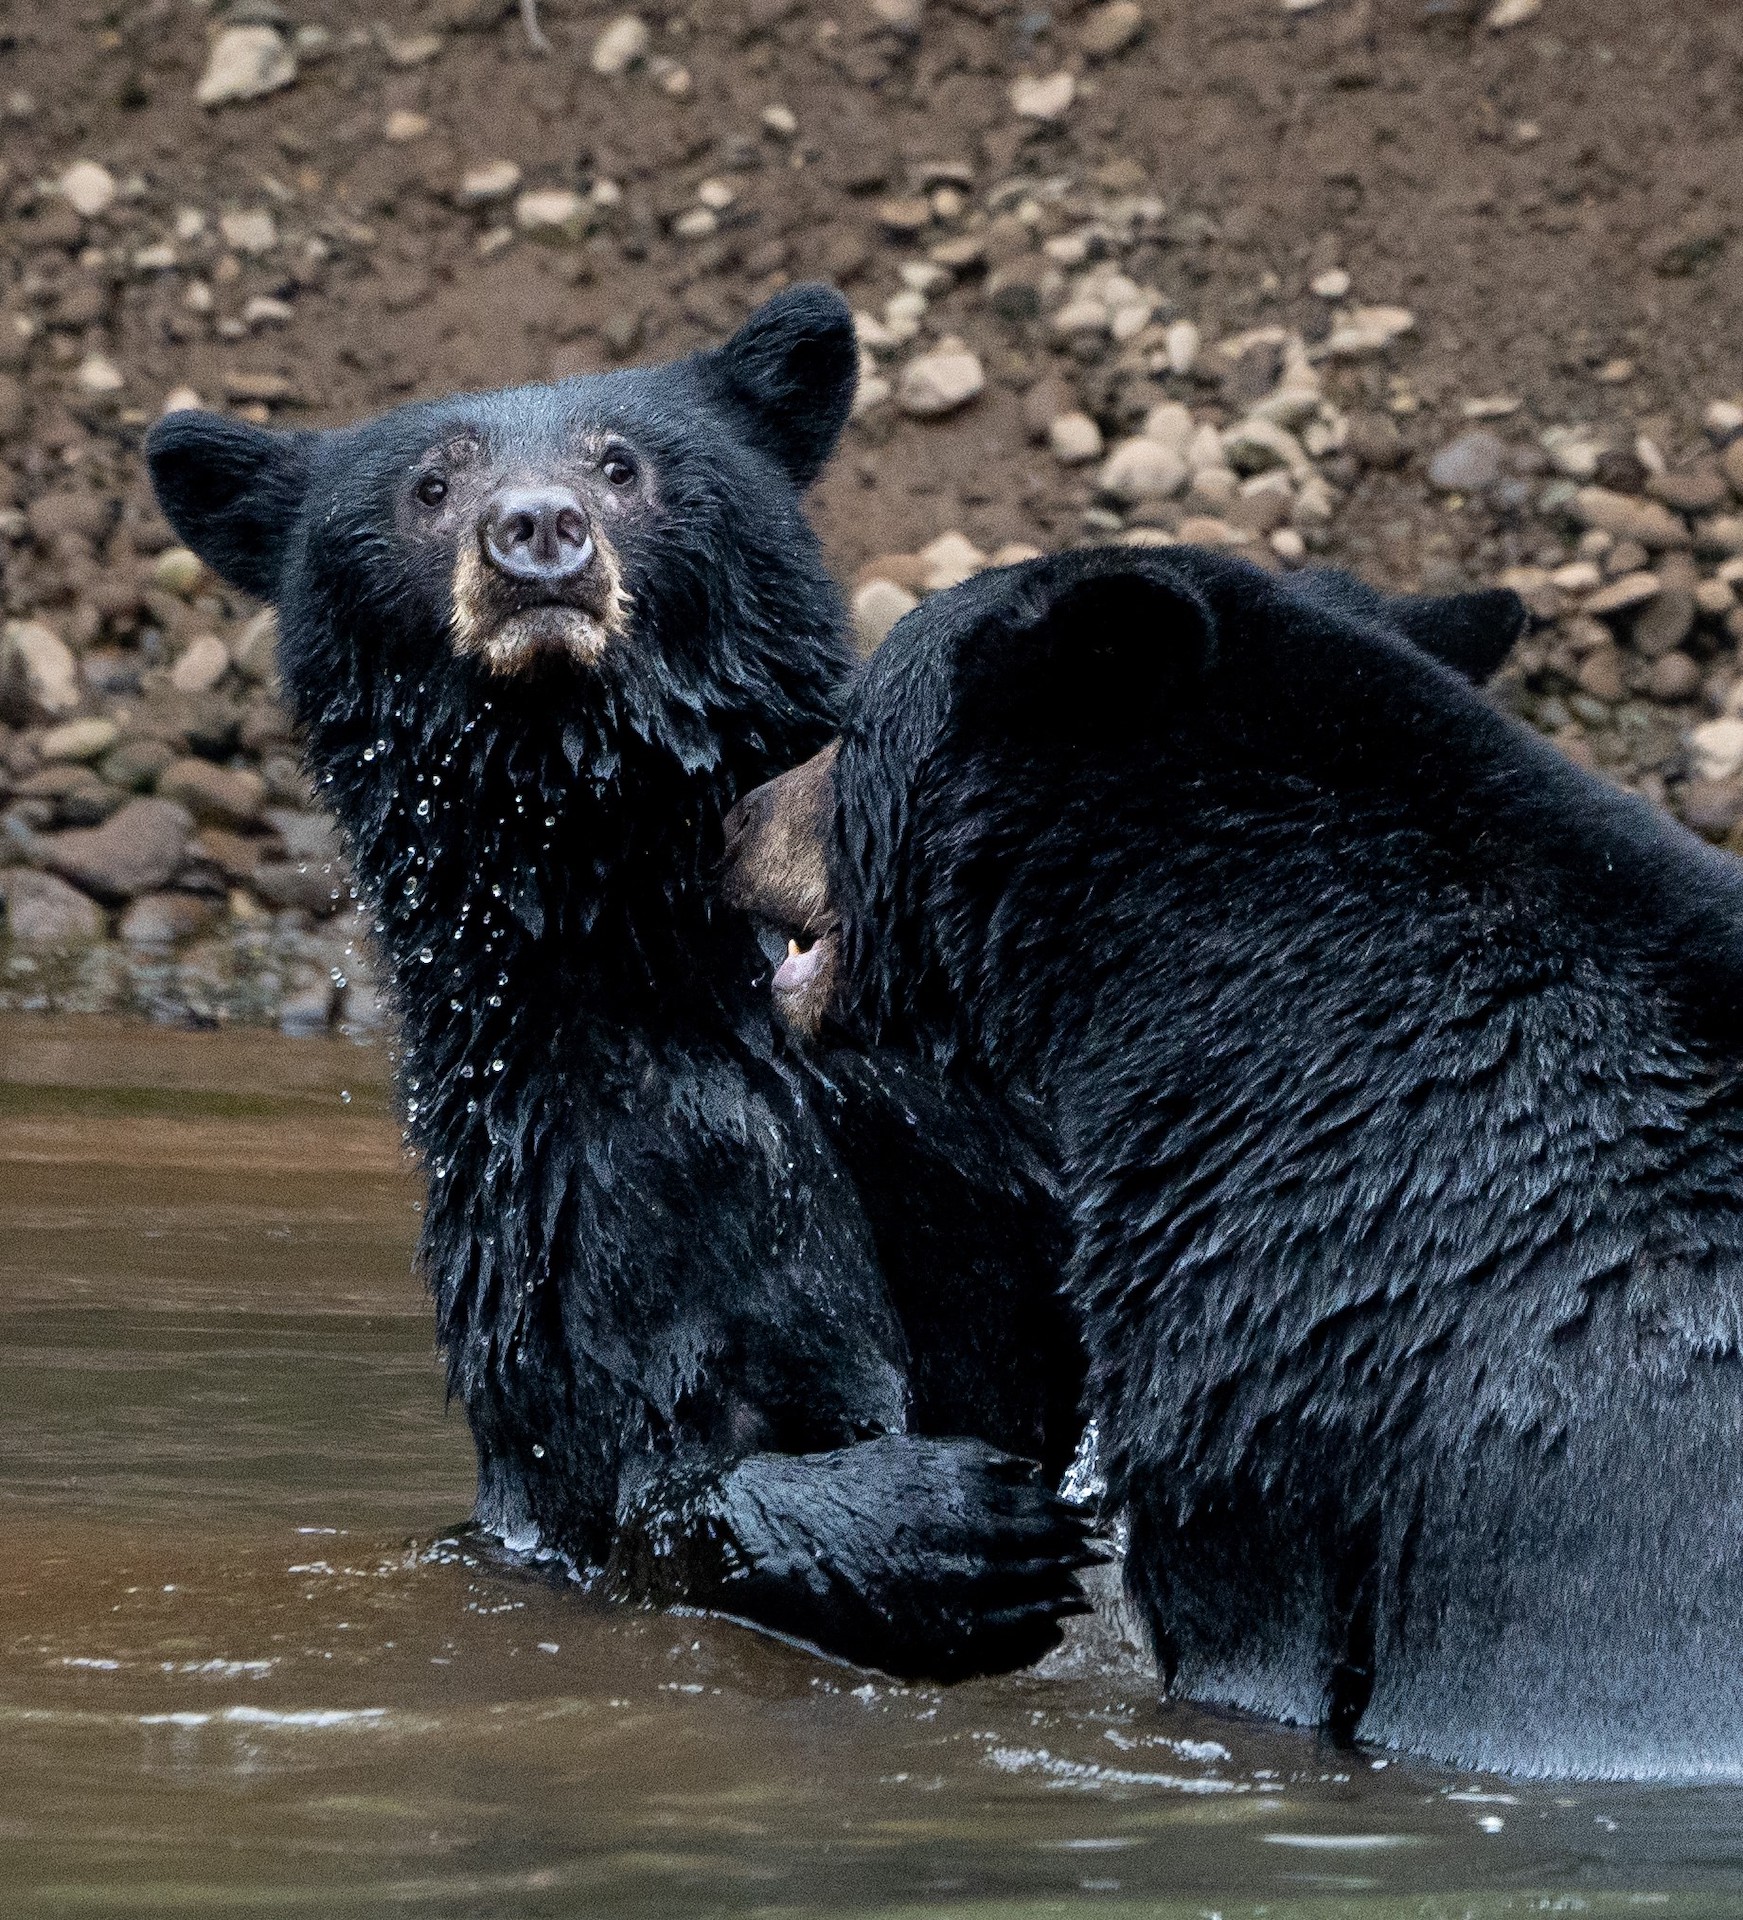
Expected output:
(618, 468)
(431, 490)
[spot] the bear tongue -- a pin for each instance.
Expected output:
(799, 965)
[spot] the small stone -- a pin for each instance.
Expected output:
(165, 919)
(1664, 623)
(551, 213)
(1711, 807)
(1289, 546)
(178, 570)
(133, 852)
(263, 389)
(1254, 445)
(307, 1011)
(266, 311)
(904, 215)
(900, 16)
(1574, 451)
(1367, 330)
(620, 45)
(1333, 284)
(403, 126)
(77, 740)
(948, 561)
(1717, 748)
(1468, 464)
(202, 666)
(779, 120)
(1600, 675)
(220, 796)
(1142, 470)
(1720, 535)
(37, 669)
(877, 606)
(181, 400)
(1512, 13)
(1673, 678)
(410, 49)
(45, 913)
(1688, 490)
(716, 195)
(1110, 29)
(1715, 598)
(250, 230)
(1731, 464)
(134, 765)
(1169, 424)
(482, 185)
(1074, 438)
(89, 189)
(1629, 518)
(940, 382)
(696, 223)
(1629, 591)
(1043, 97)
(1723, 419)
(1181, 341)
(255, 655)
(244, 64)
(99, 377)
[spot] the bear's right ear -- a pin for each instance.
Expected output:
(1103, 652)
(788, 375)
(1470, 632)
(231, 492)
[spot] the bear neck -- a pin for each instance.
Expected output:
(532, 870)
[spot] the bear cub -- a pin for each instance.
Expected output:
(729, 1329)
(1394, 1065)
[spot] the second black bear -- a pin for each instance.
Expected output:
(719, 1320)
(1395, 1067)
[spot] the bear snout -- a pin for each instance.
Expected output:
(537, 534)
(537, 578)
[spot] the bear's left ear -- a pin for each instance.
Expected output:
(788, 374)
(1470, 632)
(231, 491)
(1092, 651)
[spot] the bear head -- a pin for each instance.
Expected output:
(877, 857)
(630, 541)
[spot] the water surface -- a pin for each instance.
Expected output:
(241, 1674)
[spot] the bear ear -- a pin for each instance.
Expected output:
(231, 491)
(1089, 652)
(788, 374)
(1470, 632)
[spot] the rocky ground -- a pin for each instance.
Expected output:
(1445, 291)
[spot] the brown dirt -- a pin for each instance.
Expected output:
(1556, 204)
(1384, 138)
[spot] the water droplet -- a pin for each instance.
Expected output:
(496, 1066)
(550, 819)
(423, 809)
(425, 955)
(471, 1106)
(495, 1000)
(465, 1072)
(345, 1095)
(369, 753)
(538, 1451)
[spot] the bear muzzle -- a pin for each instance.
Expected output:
(539, 579)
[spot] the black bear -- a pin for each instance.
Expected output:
(1395, 1069)
(539, 640)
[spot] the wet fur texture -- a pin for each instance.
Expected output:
(1395, 1067)
(684, 1282)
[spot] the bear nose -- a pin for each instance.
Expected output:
(537, 533)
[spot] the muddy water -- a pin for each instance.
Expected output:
(240, 1672)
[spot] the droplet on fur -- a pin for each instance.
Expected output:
(425, 956)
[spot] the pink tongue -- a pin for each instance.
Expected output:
(797, 968)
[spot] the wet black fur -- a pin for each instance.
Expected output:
(1394, 1067)
(653, 1238)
